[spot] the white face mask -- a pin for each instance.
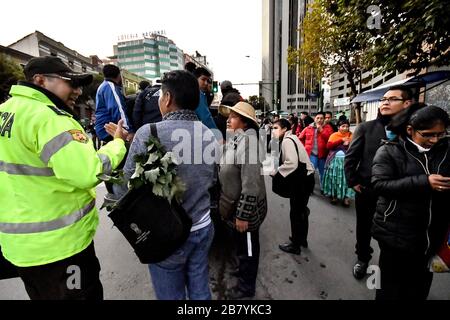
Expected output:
(419, 147)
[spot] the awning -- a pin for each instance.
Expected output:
(417, 81)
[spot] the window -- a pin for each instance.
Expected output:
(44, 49)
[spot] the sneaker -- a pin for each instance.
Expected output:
(289, 248)
(360, 269)
(236, 293)
(333, 200)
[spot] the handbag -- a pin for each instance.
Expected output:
(294, 183)
(7, 269)
(154, 227)
(440, 262)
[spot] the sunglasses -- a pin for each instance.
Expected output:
(73, 83)
(429, 135)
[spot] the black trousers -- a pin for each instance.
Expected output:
(74, 278)
(404, 276)
(247, 264)
(365, 204)
(299, 219)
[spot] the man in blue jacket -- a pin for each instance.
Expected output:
(204, 77)
(110, 103)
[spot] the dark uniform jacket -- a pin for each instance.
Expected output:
(410, 216)
(358, 159)
(146, 108)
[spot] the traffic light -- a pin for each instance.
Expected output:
(215, 87)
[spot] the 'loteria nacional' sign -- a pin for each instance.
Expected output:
(134, 36)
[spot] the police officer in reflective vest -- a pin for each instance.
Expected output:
(48, 172)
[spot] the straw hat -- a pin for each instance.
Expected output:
(243, 108)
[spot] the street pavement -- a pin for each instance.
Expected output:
(321, 272)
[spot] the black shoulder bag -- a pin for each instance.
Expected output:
(294, 183)
(154, 227)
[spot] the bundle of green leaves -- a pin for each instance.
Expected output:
(158, 169)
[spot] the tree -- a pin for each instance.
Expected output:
(331, 41)
(413, 35)
(253, 100)
(258, 102)
(90, 91)
(339, 35)
(10, 73)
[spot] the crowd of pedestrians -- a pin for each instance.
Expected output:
(397, 168)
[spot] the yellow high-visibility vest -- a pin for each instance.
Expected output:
(48, 172)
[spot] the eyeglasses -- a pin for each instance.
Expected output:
(73, 83)
(391, 99)
(429, 135)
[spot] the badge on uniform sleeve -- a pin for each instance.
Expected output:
(79, 136)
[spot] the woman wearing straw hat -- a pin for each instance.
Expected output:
(243, 203)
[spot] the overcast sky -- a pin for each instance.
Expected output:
(226, 31)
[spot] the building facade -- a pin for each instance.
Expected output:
(341, 94)
(285, 89)
(15, 55)
(149, 55)
(38, 44)
(269, 87)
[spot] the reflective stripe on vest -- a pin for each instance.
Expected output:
(54, 145)
(106, 162)
(25, 170)
(36, 227)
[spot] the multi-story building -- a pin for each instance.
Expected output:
(148, 55)
(37, 44)
(285, 89)
(271, 53)
(341, 95)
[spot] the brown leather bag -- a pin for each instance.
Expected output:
(227, 207)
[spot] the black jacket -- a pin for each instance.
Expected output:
(410, 216)
(146, 108)
(358, 160)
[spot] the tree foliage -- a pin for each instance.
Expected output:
(90, 91)
(331, 41)
(10, 73)
(414, 35)
(337, 35)
(258, 102)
